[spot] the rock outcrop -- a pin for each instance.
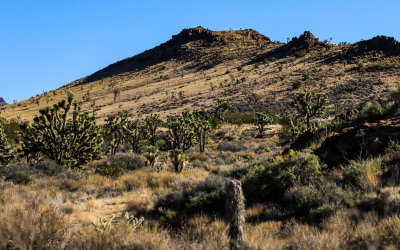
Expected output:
(2, 102)
(369, 139)
(305, 41)
(388, 45)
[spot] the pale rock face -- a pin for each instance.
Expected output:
(2, 102)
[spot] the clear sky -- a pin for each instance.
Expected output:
(47, 44)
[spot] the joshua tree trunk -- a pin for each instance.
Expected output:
(234, 212)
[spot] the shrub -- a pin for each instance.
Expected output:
(19, 173)
(270, 180)
(300, 53)
(131, 160)
(372, 111)
(29, 221)
(363, 175)
(48, 167)
(188, 199)
(112, 170)
(389, 232)
(239, 118)
(315, 201)
(232, 147)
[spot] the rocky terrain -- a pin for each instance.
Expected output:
(197, 67)
(2, 102)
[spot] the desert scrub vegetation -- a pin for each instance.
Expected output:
(193, 181)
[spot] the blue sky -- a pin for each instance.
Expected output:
(47, 44)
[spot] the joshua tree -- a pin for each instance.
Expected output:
(202, 128)
(310, 104)
(115, 130)
(234, 213)
(151, 123)
(6, 152)
(179, 159)
(222, 107)
(72, 141)
(181, 131)
(262, 119)
(116, 93)
(252, 99)
(133, 134)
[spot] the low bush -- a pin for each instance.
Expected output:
(131, 160)
(230, 146)
(239, 118)
(362, 175)
(315, 201)
(270, 180)
(389, 232)
(206, 197)
(112, 170)
(20, 173)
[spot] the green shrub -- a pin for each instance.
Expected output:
(300, 53)
(131, 160)
(48, 167)
(362, 175)
(238, 118)
(373, 112)
(270, 180)
(393, 146)
(389, 232)
(111, 170)
(315, 201)
(19, 173)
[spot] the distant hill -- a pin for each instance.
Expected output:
(197, 67)
(2, 102)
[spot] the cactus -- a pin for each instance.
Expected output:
(262, 119)
(73, 142)
(152, 154)
(105, 223)
(6, 151)
(310, 104)
(179, 159)
(132, 220)
(234, 212)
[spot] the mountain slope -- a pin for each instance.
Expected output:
(198, 66)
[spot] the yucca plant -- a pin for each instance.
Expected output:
(179, 159)
(310, 104)
(151, 154)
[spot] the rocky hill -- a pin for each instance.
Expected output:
(197, 67)
(2, 102)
